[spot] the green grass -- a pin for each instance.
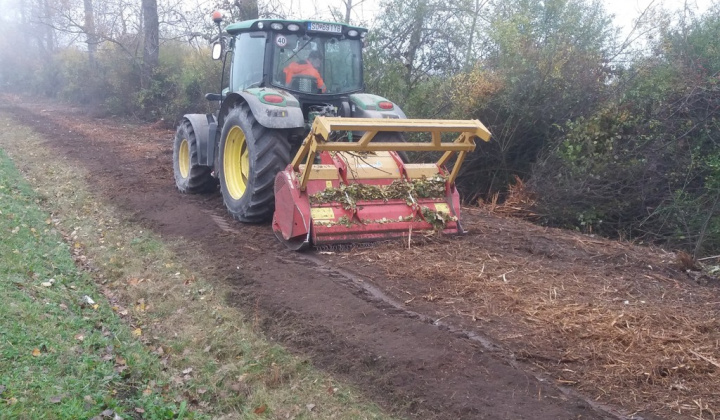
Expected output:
(195, 351)
(60, 357)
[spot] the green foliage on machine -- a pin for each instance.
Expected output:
(410, 191)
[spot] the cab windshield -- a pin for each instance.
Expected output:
(319, 65)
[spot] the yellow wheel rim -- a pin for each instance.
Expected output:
(236, 163)
(184, 158)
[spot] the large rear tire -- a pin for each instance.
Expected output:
(190, 177)
(393, 137)
(250, 156)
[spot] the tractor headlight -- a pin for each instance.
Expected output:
(276, 26)
(260, 25)
(293, 27)
(352, 32)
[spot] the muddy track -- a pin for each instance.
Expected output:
(403, 360)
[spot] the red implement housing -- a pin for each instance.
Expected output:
(343, 198)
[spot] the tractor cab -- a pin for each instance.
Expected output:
(316, 62)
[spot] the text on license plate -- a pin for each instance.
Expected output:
(324, 27)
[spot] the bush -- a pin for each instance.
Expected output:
(647, 165)
(179, 84)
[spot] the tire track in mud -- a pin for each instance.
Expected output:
(343, 323)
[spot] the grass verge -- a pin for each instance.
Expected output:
(64, 353)
(195, 352)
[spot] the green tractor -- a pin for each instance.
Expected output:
(283, 74)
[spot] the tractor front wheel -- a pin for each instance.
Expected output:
(250, 156)
(190, 177)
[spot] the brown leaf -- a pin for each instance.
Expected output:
(36, 352)
(79, 337)
(139, 410)
(261, 409)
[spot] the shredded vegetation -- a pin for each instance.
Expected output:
(410, 191)
(626, 325)
(158, 337)
(349, 195)
(437, 219)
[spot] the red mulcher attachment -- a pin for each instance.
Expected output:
(362, 191)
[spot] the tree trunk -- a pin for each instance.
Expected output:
(47, 32)
(151, 44)
(469, 59)
(418, 23)
(348, 9)
(89, 29)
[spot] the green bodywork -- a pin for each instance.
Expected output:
(260, 93)
(368, 101)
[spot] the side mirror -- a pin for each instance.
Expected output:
(216, 50)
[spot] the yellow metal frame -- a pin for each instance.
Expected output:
(317, 139)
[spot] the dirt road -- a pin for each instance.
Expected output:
(404, 326)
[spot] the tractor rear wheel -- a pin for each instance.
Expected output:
(250, 156)
(190, 177)
(393, 137)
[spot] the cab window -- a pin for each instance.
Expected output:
(339, 64)
(248, 58)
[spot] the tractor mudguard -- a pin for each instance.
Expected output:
(205, 127)
(285, 115)
(366, 105)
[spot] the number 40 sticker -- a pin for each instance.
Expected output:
(281, 41)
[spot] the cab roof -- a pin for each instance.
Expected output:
(296, 26)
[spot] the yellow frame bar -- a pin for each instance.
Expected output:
(317, 139)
